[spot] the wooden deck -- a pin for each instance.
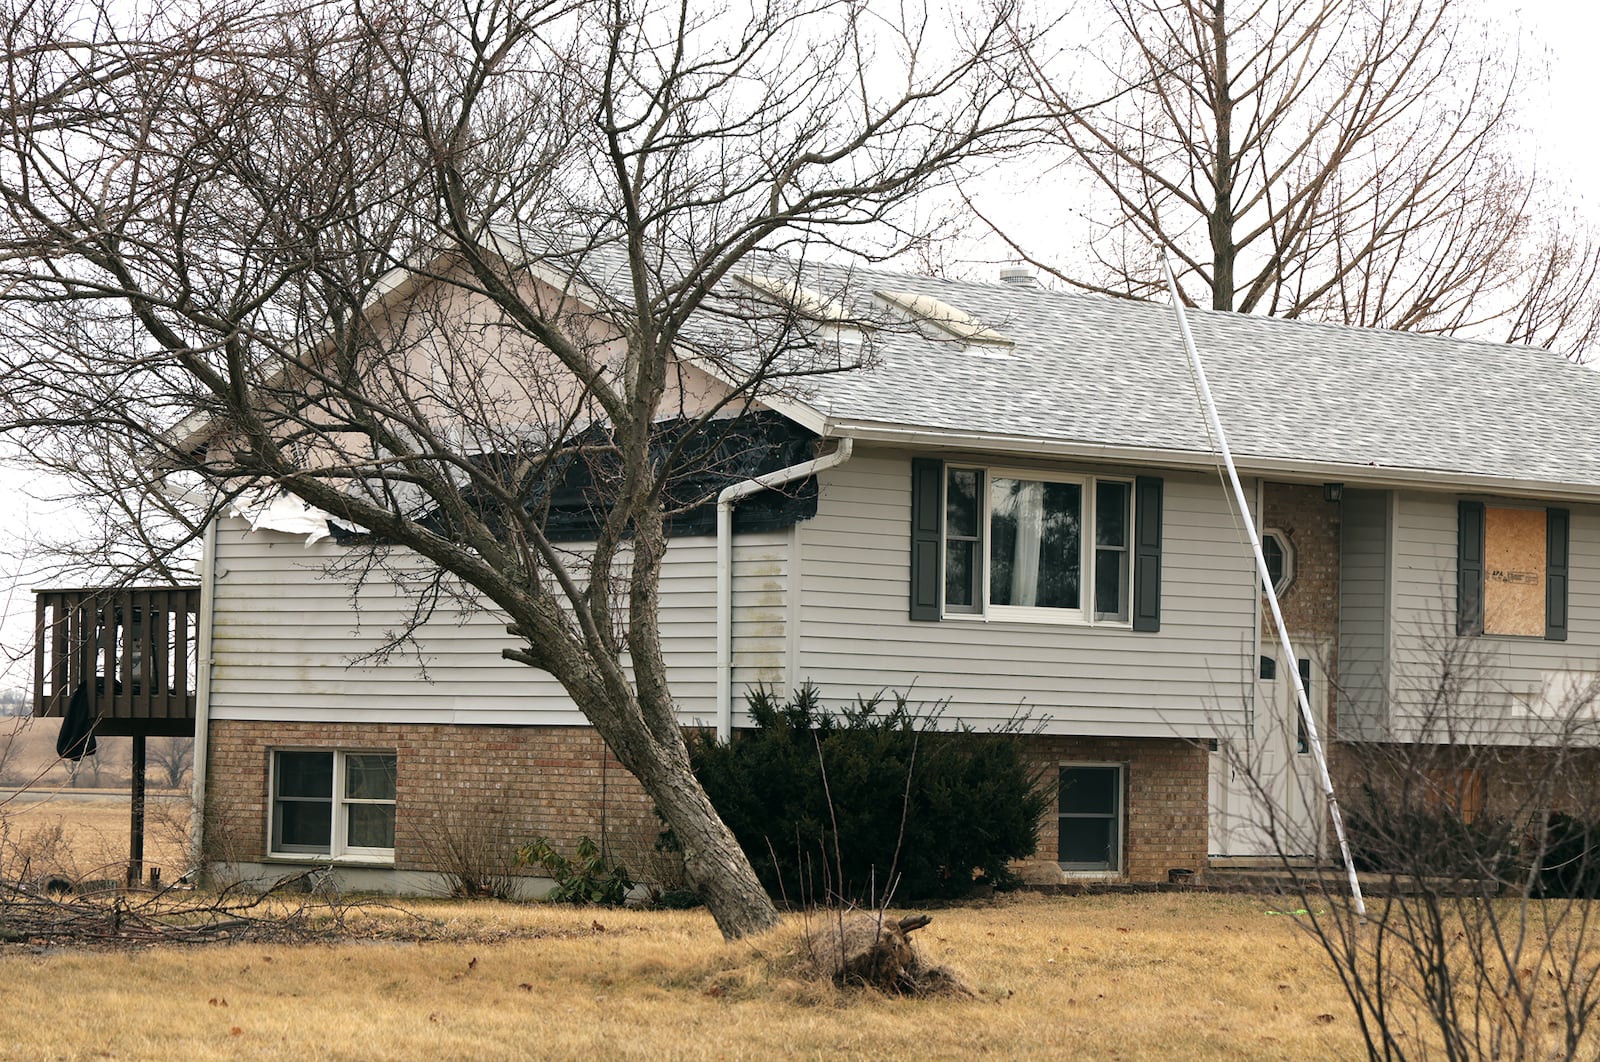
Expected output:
(131, 651)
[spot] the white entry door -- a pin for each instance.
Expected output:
(1266, 800)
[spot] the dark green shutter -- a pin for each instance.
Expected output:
(1469, 568)
(927, 483)
(1147, 554)
(1557, 528)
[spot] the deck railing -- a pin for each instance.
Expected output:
(132, 651)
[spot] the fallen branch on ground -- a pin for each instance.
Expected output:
(119, 917)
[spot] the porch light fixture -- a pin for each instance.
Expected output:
(1332, 492)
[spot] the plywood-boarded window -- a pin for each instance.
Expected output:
(1514, 571)
(1456, 791)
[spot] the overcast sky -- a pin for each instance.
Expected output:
(1562, 130)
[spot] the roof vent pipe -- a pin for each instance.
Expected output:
(1022, 276)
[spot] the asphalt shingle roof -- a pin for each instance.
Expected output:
(1107, 372)
(1095, 372)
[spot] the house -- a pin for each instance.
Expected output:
(1017, 507)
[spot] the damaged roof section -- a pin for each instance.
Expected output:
(951, 320)
(572, 490)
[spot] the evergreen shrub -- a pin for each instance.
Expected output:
(817, 799)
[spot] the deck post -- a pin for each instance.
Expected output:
(136, 822)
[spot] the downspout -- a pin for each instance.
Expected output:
(731, 495)
(202, 692)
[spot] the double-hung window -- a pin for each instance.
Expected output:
(1000, 543)
(1029, 545)
(333, 803)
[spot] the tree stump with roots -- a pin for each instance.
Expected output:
(868, 949)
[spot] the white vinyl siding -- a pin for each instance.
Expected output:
(287, 634)
(1190, 679)
(288, 637)
(1505, 689)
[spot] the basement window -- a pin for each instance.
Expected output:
(333, 803)
(1454, 791)
(1090, 837)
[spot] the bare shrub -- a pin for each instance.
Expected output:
(171, 821)
(1485, 847)
(472, 846)
(39, 849)
(231, 836)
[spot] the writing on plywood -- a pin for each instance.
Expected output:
(1513, 571)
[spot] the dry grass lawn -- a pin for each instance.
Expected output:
(1115, 977)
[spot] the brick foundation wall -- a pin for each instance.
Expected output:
(1516, 784)
(516, 782)
(527, 782)
(1166, 793)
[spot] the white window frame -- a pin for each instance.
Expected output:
(1120, 820)
(339, 813)
(1285, 544)
(1083, 615)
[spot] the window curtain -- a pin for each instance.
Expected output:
(1028, 499)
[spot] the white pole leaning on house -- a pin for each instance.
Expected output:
(1221, 438)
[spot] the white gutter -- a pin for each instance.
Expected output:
(202, 693)
(731, 495)
(1285, 469)
(1290, 658)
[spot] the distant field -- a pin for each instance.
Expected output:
(1132, 977)
(53, 827)
(87, 838)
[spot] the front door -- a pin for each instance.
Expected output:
(1266, 800)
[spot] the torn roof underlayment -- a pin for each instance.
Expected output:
(1011, 367)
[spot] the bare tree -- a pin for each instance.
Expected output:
(1482, 862)
(1358, 163)
(414, 264)
(174, 756)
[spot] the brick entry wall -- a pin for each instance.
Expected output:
(518, 783)
(1165, 794)
(1311, 603)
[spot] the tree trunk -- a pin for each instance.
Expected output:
(1221, 222)
(717, 866)
(647, 741)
